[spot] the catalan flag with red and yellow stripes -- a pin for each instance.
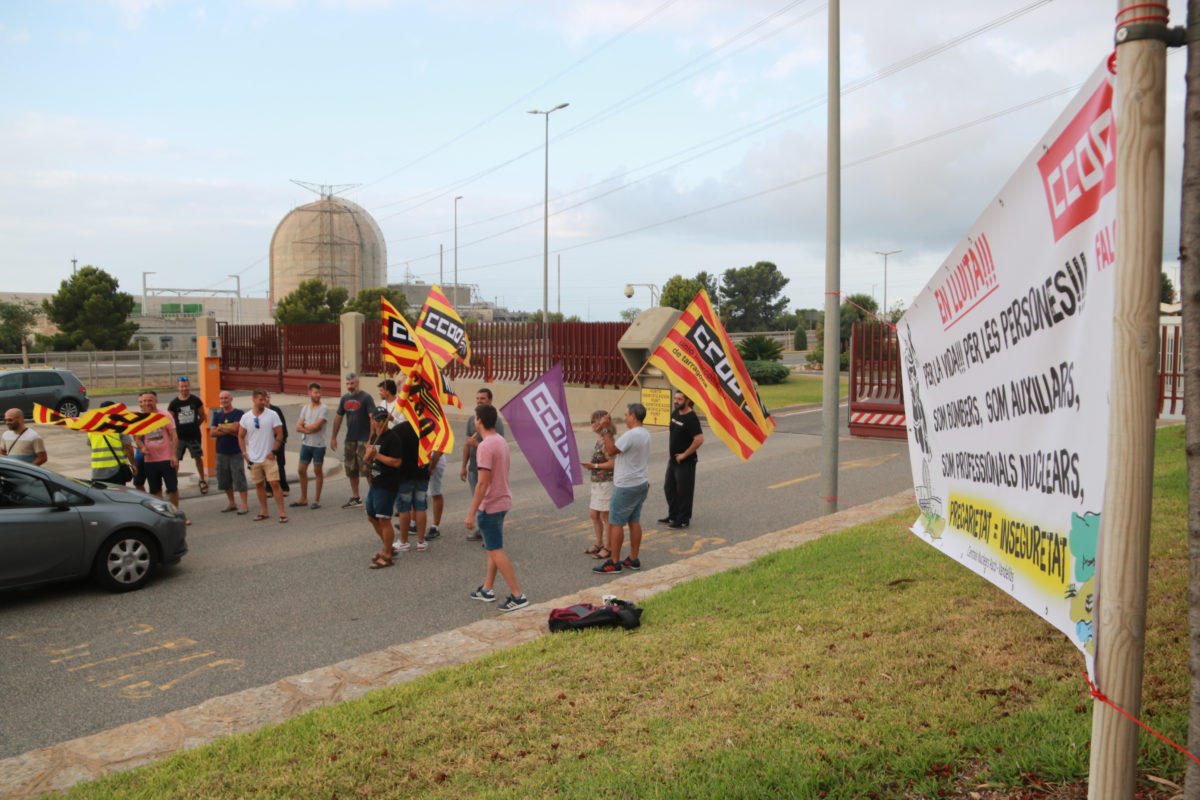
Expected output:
(701, 361)
(442, 331)
(419, 401)
(106, 419)
(400, 345)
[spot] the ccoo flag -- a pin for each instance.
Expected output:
(400, 345)
(541, 426)
(702, 362)
(442, 331)
(421, 407)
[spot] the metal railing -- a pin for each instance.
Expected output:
(109, 369)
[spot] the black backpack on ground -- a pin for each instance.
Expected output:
(587, 615)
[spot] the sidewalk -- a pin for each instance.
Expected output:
(63, 765)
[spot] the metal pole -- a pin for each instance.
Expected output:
(454, 301)
(1122, 563)
(546, 243)
(885, 257)
(833, 256)
(560, 284)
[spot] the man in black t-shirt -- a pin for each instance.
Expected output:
(384, 458)
(188, 412)
(412, 497)
(680, 483)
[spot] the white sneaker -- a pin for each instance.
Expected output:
(401, 547)
(422, 547)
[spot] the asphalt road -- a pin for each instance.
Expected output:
(255, 602)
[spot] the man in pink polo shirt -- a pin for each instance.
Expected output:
(160, 449)
(492, 500)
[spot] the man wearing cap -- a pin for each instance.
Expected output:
(357, 405)
(383, 457)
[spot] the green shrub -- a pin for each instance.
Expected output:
(765, 372)
(800, 340)
(760, 348)
(817, 358)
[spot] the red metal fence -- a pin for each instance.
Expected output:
(515, 351)
(876, 390)
(287, 358)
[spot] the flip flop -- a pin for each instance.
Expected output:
(203, 487)
(282, 520)
(260, 517)
(243, 511)
(297, 504)
(591, 551)
(380, 563)
(315, 505)
(227, 510)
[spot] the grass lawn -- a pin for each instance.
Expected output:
(798, 389)
(864, 664)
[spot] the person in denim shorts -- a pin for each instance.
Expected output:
(492, 500)
(412, 496)
(311, 427)
(384, 458)
(631, 484)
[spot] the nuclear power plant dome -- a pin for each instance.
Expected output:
(332, 239)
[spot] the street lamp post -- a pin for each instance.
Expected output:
(546, 239)
(885, 256)
(454, 300)
(145, 301)
(238, 278)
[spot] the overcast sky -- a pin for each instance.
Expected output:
(157, 136)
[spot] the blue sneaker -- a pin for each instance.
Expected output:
(486, 595)
(632, 563)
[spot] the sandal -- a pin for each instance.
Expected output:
(603, 553)
(282, 519)
(227, 510)
(260, 517)
(380, 563)
(591, 551)
(203, 486)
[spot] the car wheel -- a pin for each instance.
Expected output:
(125, 561)
(69, 408)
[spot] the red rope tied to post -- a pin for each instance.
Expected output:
(1096, 693)
(1163, 17)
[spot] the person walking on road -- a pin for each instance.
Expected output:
(21, 441)
(260, 435)
(491, 501)
(231, 466)
(311, 427)
(188, 412)
(357, 405)
(384, 458)
(470, 471)
(631, 485)
(680, 483)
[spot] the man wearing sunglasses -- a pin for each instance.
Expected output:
(260, 435)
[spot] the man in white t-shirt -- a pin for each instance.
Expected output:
(311, 426)
(631, 485)
(21, 441)
(260, 435)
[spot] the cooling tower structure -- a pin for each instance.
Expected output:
(332, 239)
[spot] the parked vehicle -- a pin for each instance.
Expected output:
(58, 389)
(56, 528)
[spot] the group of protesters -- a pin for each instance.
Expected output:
(381, 447)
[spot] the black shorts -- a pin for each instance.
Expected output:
(159, 473)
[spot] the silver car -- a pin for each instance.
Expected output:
(55, 528)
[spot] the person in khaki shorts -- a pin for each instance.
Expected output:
(356, 406)
(260, 434)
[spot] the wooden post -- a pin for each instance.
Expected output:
(1122, 565)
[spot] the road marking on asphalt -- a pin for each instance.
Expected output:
(859, 463)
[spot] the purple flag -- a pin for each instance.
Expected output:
(541, 426)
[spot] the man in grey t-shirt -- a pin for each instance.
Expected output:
(311, 426)
(631, 485)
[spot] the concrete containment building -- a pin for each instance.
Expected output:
(332, 239)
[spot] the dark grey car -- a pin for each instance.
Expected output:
(57, 389)
(55, 528)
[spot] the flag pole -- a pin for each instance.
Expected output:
(627, 388)
(1122, 566)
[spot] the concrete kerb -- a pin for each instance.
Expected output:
(61, 766)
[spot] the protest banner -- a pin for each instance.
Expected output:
(1006, 364)
(400, 344)
(701, 361)
(419, 401)
(541, 426)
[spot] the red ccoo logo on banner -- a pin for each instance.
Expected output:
(1081, 166)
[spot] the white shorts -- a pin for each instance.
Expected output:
(601, 495)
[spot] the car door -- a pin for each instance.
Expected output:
(12, 392)
(43, 388)
(39, 541)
